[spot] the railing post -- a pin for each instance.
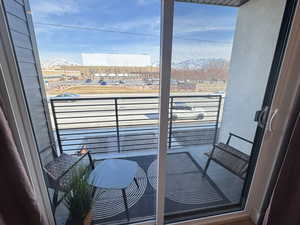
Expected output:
(117, 124)
(217, 122)
(171, 122)
(56, 126)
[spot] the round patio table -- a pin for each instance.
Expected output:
(115, 174)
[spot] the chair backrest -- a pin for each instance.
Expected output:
(240, 143)
(59, 170)
(239, 159)
(231, 158)
(47, 155)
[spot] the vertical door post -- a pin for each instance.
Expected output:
(56, 127)
(218, 118)
(117, 124)
(165, 74)
(171, 121)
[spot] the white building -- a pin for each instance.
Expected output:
(99, 59)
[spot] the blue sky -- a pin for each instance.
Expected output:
(130, 27)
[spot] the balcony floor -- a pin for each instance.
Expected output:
(187, 189)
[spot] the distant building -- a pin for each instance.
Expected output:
(57, 74)
(120, 60)
(116, 72)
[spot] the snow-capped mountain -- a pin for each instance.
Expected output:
(195, 63)
(50, 63)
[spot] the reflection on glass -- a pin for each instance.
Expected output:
(220, 68)
(202, 42)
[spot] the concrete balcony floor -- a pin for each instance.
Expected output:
(225, 182)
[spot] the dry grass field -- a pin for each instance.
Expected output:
(95, 89)
(99, 90)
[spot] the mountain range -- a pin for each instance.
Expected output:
(196, 63)
(55, 62)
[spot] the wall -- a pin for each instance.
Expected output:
(25, 49)
(257, 29)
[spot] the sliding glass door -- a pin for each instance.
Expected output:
(100, 65)
(166, 102)
(222, 60)
(201, 53)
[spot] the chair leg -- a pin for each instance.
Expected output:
(54, 200)
(94, 191)
(136, 183)
(125, 203)
(208, 162)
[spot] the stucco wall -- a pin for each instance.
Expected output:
(257, 30)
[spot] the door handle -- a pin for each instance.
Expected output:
(261, 117)
(270, 129)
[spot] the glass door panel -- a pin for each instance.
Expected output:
(221, 60)
(100, 64)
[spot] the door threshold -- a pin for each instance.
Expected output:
(224, 219)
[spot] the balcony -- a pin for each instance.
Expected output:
(127, 128)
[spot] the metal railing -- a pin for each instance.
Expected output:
(116, 124)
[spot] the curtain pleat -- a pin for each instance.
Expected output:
(18, 202)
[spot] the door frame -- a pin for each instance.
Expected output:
(272, 85)
(278, 128)
(11, 90)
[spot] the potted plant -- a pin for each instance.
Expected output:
(79, 199)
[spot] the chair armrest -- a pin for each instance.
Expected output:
(85, 150)
(239, 137)
(91, 160)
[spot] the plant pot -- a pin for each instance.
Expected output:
(87, 220)
(72, 221)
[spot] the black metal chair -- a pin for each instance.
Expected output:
(229, 157)
(59, 172)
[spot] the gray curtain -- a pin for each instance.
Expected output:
(18, 205)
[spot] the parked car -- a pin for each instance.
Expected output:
(222, 93)
(183, 111)
(67, 95)
(88, 81)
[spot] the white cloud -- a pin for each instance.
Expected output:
(146, 2)
(182, 51)
(185, 51)
(183, 25)
(149, 25)
(195, 23)
(198, 28)
(45, 56)
(45, 8)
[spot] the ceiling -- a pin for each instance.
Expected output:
(233, 3)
